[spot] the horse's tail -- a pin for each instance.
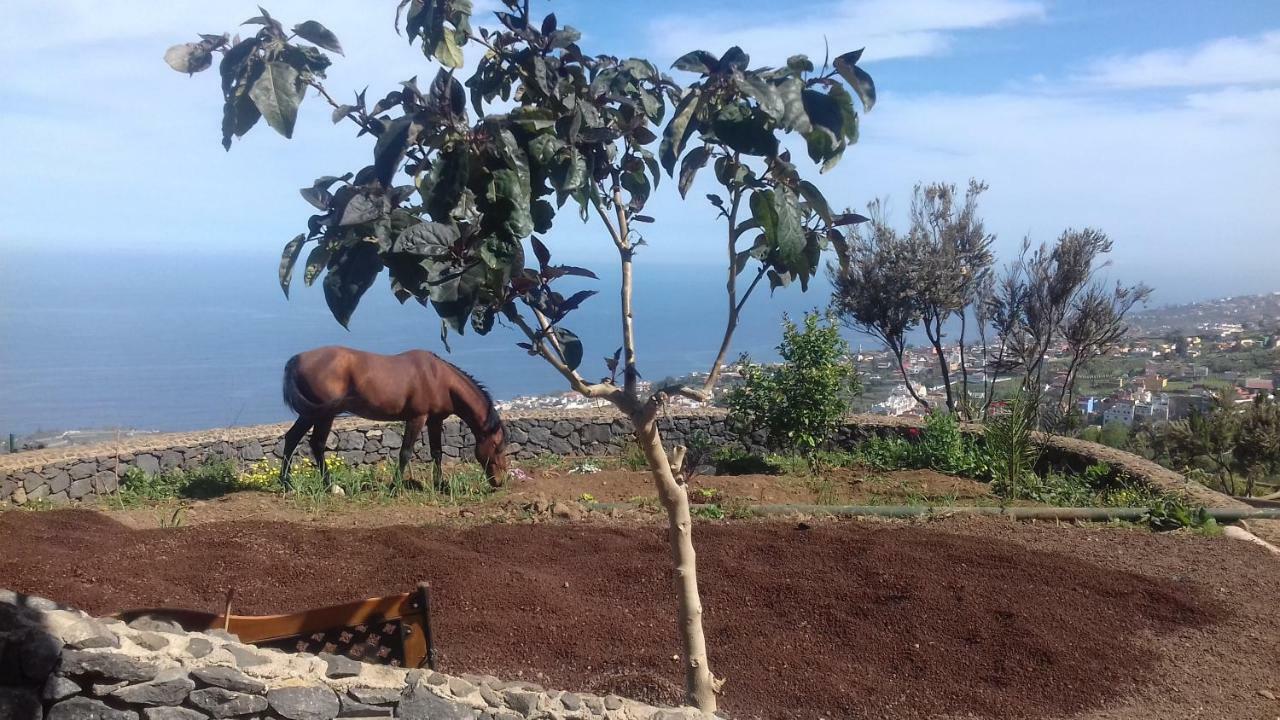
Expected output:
(294, 395)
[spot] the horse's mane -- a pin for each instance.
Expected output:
(492, 422)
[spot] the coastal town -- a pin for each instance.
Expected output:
(1173, 360)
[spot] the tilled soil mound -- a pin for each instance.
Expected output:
(837, 620)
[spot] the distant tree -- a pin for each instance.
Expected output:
(1091, 433)
(1257, 451)
(1204, 442)
(954, 264)
(802, 401)
(1115, 434)
(1093, 327)
(874, 285)
(455, 189)
(1000, 309)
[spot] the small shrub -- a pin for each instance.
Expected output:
(633, 457)
(708, 512)
(737, 461)
(941, 446)
(885, 453)
(1010, 447)
(802, 401)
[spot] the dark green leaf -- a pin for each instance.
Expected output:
(564, 38)
(849, 116)
(276, 93)
(733, 59)
(570, 346)
(848, 218)
(389, 151)
(360, 209)
(448, 52)
(793, 114)
(637, 184)
(678, 131)
(316, 261)
(763, 92)
(511, 190)
(572, 303)
(239, 114)
(857, 78)
(689, 167)
(318, 34)
(543, 214)
(764, 213)
(447, 93)
(233, 61)
(482, 320)
(287, 259)
(788, 235)
(816, 200)
(352, 272)
(541, 252)
(698, 61)
(745, 130)
(318, 197)
(562, 270)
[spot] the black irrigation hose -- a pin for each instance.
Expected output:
(1221, 515)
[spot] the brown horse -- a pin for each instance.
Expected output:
(415, 386)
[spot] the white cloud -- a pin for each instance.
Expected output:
(888, 28)
(1223, 61)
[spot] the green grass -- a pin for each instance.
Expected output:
(465, 483)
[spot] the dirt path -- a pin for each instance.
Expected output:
(976, 618)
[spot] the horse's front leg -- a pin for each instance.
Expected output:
(435, 436)
(412, 430)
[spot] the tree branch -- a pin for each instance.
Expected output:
(629, 374)
(606, 391)
(731, 288)
(351, 115)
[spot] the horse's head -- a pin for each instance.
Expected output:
(491, 451)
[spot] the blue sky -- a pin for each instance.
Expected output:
(1158, 122)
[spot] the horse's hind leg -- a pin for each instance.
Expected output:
(412, 430)
(291, 440)
(319, 437)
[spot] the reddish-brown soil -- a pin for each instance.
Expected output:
(839, 620)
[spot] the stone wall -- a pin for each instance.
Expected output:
(60, 664)
(73, 474)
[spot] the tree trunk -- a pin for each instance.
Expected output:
(964, 370)
(907, 381)
(935, 339)
(699, 682)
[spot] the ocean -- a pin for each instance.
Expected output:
(94, 340)
(99, 339)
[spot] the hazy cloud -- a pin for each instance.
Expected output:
(894, 28)
(1223, 61)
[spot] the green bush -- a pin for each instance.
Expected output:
(1010, 449)
(801, 402)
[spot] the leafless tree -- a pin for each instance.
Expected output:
(954, 262)
(1093, 327)
(876, 284)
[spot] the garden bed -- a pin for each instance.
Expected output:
(842, 619)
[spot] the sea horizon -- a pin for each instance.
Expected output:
(173, 342)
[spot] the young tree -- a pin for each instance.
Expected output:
(954, 262)
(874, 285)
(453, 191)
(1093, 327)
(802, 401)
